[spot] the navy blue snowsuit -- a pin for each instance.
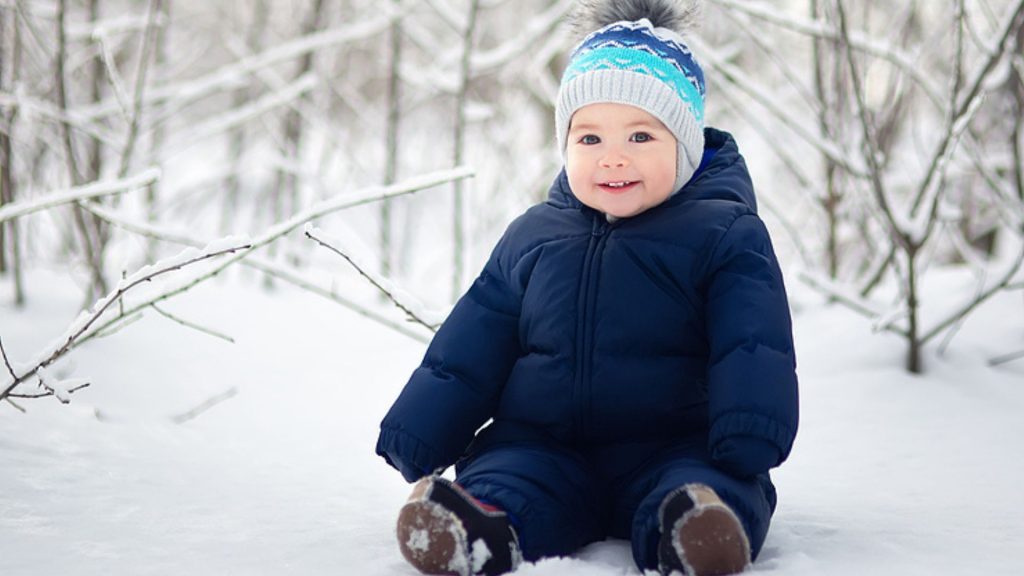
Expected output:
(615, 362)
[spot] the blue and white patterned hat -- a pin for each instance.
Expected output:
(636, 63)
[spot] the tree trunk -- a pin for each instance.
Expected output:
(5, 154)
(391, 161)
(829, 113)
(95, 148)
(237, 141)
(90, 244)
(459, 153)
(10, 240)
(914, 341)
(286, 190)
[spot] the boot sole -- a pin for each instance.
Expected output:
(432, 539)
(705, 538)
(711, 542)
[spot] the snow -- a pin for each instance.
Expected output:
(892, 473)
(94, 190)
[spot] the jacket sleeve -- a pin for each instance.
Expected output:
(752, 383)
(456, 388)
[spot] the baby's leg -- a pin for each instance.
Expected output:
(653, 488)
(551, 495)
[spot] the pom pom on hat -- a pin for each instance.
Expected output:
(638, 57)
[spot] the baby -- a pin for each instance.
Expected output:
(627, 348)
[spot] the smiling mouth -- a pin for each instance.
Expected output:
(619, 186)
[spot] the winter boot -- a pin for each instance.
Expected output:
(700, 534)
(444, 530)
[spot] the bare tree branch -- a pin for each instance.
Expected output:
(79, 193)
(313, 234)
(77, 334)
(135, 112)
(1006, 358)
(7, 361)
(272, 269)
(235, 73)
(982, 296)
(206, 405)
(735, 77)
(192, 325)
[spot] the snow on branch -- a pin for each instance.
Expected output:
(367, 196)
(79, 193)
(110, 27)
(1003, 281)
(342, 202)
(441, 74)
(37, 107)
(844, 295)
(404, 301)
(451, 17)
(858, 40)
(975, 94)
(114, 75)
(79, 330)
(235, 74)
(273, 269)
(762, 95)
(225, 122)
(526, 41)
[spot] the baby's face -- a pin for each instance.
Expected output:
(620, 160)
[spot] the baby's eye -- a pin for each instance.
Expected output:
(590, 139)
(641, 137)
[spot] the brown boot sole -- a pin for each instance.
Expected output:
(711, 542)
(432, 539)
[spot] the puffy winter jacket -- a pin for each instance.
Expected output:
(672, 324)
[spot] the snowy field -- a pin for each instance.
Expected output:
(892, 474)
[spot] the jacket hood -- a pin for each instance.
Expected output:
(722, 175)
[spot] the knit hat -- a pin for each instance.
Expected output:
(636, 58)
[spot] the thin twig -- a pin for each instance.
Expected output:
(188, 324)
(412, 315)
(76, 337)
(140, 84)
(272, 269)
(967, 107)
(16, 406)
(831, 289)
(126, 321)
(7, 362)
(116, 82)
(1006, 358)
(982, 297)
(375, 194)
(733, 76)
(49, 392)
(206, 405)
(61, 397)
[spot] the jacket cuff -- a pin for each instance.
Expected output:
(736, 424)
(408, 454)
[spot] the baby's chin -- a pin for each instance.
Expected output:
(624, 207)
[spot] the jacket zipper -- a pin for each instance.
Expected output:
(585, 324)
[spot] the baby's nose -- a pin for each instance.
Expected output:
(614, 158)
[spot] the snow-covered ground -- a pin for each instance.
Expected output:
(892, 474)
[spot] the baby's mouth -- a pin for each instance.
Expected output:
(618, 186)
